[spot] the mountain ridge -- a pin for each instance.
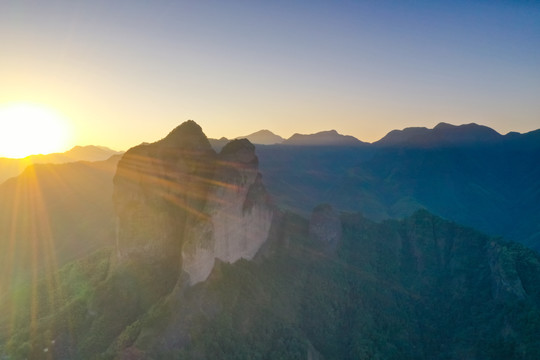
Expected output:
(445, 134)
(263, 137)
(441, 134)
(323, 138)
(12, 167)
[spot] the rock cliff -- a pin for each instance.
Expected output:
(505, 280)
(180, 204)
(239, 214)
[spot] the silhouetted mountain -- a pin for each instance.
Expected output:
(263, 137)
(13, 167)
(323, 138)
(77, 153)
(441, 135)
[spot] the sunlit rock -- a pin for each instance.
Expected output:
(239, 214)
(159, 189)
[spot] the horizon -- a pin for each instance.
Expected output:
(246, 135)
(121, 74)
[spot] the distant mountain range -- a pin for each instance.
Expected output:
(263, 137)
(323, 138)
(266, 137)
(11, 167)
(442, 134)
(450, 135)
(469, 174)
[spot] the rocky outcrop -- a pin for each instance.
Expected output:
(158, 189)
(239, 214)
(181, 205)
(505, 281)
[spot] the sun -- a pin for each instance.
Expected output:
(29, 129)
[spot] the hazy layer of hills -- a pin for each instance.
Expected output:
(326, 282)
(54, 213)
(263, 137)
(266, 137)
(13, 167)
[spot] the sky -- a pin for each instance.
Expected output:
(123, 72)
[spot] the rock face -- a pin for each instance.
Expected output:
(158, 189)
(506, 283)
(181, 205)
(239, 214)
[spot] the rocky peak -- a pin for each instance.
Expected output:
(505, 281)
(240, 151)
(158, 189)
(188, 135)
(181, 205)
(240, 214)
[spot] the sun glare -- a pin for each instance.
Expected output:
(28, 129)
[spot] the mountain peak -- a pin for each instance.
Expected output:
(181, 205)
(239, 150)
(187, 135)
(323, 138)
(442, 134)
(264, 137)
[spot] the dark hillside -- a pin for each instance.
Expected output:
(421, 288)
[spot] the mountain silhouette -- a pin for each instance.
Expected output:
(323, 138)
(12, 167)
(441, 135)
(263, 137)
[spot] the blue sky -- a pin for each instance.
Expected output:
(129, 71)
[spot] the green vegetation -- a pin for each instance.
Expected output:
(491, 186)
(420, 288)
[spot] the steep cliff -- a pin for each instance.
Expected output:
(159, 189)
(181, 205)
(239, 214)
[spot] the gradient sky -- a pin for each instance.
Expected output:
(124, 72)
